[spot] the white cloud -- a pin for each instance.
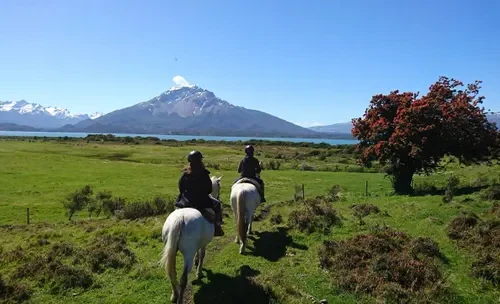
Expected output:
(180, 82)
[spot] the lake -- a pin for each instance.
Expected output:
(183, 137)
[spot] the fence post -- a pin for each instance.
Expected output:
(28, 215)
(303, 193)
(366, 188)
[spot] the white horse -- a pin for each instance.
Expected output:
(245, 198)
(188, 231)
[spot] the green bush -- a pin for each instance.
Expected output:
(140, 209)
(492, 193)
(362, 210)
(110, 206)
(316, 215)
(78, 200)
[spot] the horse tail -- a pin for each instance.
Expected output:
(169, 251)
(240, 222)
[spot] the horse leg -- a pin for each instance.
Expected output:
(235, 212)
(201, 256)
(175, 291)
(188, 266)
(196, 259)
(249, 221)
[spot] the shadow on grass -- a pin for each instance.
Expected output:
(432, 190)
(272, 245)
(121, 156)
(241, 288)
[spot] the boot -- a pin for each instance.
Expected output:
(218, 229)
(218, 221)
(262, 198)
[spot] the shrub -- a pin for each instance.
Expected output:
(450, 188)
(63, 277)
(102, 198)
(215, 166)
(362, 210)
(276, 219)
(322, 157)
(13, 292)
(384, 264)
(426, 188)
(110, 206)
(334, 193)
(479, 181)
(140, 209)
(273, 165)
(315, 215)
(495, 209)
(492, 193)
(482, 239)
(297, 194)
(109, 251)
(460, 226)
(306, 167)
(77, 200)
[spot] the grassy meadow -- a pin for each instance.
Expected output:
(282, 264)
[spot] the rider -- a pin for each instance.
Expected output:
(249, 167)
(195, 186)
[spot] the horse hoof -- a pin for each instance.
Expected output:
(173, 299)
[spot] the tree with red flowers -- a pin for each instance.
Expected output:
(411, 135)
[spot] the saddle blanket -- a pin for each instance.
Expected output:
(249, 181)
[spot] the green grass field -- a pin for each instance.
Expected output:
(282, 265)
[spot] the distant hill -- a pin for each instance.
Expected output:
(340, 128)
(37, 116)
(494, 117)
(345, 127)
(13, 127)
(191, 110)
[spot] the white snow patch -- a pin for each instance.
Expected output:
(8, 106)
(96, 115)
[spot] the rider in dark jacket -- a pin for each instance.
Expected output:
(249, 167)
(195, 186)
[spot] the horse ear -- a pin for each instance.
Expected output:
(220, 177)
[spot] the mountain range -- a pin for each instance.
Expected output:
(183, 109)
(345, 127)
(37, 116)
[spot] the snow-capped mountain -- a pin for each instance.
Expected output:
(189, 109)
(37, 116)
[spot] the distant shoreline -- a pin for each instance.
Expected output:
(182, 138)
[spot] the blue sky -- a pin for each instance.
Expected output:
(309, 62)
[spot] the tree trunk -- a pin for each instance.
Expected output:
(401, 182)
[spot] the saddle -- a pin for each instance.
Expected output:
(207, 213)
(247, 180)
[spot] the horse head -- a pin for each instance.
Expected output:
(216, 186)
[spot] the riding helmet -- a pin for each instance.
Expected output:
(195, 156)
(249, 150)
